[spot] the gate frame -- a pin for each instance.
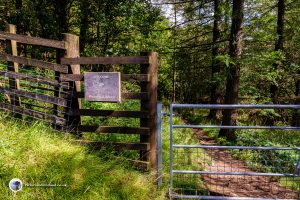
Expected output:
(226, 106)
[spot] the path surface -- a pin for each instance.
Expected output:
(238, 186)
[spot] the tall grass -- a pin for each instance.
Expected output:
(38, 155)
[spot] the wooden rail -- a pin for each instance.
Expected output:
(110, 129)
(109, 113)
(33, 62)
(39, 115)
(34, 40)
(106, 60)
(34, 79)
(124, 77)
(119, 146)
(126, 95)
(40, 97)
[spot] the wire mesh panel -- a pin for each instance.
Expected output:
(39, 97)
(209, 171)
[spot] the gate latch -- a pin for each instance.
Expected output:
(297, 168)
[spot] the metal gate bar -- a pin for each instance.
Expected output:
(211, 106)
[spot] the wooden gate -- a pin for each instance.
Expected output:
(51, 90)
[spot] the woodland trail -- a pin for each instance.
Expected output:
(238, 186)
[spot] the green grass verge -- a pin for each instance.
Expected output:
(37, 155)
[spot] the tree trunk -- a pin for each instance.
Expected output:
(278, 44)
(215, 67)
(233, 75)
(18, 21)
(84, 24)
(62, 17)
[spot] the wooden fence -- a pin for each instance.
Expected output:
(55, 96)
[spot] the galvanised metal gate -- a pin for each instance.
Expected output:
(210, 171)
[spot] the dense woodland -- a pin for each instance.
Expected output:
(211, 51)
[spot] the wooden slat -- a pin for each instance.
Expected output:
(139, 95)
(110, 129)
(135, 77)
(35, 79)
(32, 113)
(33, 62)
(109, 113)
(24, 39)
(116, 145)
(39, 97)
(124, 77)
(106, 60)
(12, 48)
(39, 106)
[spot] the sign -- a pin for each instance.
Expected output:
(102, 86)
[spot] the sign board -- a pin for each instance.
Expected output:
(102, 86)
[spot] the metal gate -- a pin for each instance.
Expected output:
(211, 171)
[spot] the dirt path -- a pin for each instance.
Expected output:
(238, 186)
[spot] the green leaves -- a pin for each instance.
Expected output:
(225, 59)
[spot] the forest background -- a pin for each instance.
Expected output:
(211, 51)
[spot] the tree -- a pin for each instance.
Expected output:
(278, 43)
(233, 76)
(215, 67)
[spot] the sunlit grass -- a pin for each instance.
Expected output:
(38, 155)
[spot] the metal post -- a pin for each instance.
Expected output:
(159, 144)
(171, 149)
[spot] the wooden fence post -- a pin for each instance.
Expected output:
(72, 51)
(150, 106)
(11, 48)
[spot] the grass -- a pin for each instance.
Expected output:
(37, 155)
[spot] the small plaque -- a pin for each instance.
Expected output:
(102, 86)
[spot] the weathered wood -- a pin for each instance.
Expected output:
(139, 95)
(39, 106)
(35, 79)
(150, 105)
(73, 52)
(135, 77)
(107, 60)
(39, 115)
(115, 145)
(124, 77)
(24, 39)
(37, 88)
(11, 48)
(33, 62)
(109, 113)
(39, 97)
(110, 129)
